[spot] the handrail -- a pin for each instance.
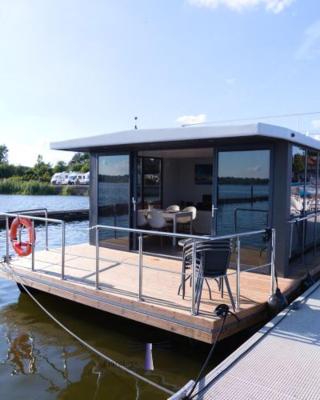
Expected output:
(33, 218)
(34, 210)
(311, 215)
(238, 237)
(53, 220)
(180, 235)
(140, 236)
(303, 219)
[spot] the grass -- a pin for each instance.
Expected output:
(17, 186)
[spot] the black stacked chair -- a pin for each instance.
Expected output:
(212, 262)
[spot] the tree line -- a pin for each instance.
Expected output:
(41, 171)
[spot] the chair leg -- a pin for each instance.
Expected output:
(229, 292)
(221, 287)
(183, 286)
(198, 295)
(182, 279)
(209, 289)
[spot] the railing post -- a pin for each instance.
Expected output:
(272, 263)
(97, 258)
(32, 246)
(7, 239)
(140, 241)
(194, 278)
(63, 248)
(238, 273)
(46, 226)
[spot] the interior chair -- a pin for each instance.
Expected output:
(142, 220)
(186, 221)
(173, 208)
(157, 221)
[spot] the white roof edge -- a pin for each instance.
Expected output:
(186, 133)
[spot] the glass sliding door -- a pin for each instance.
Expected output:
(243, 197)
(114, 198)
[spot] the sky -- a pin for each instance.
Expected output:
(72, 68)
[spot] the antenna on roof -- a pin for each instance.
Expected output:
(135, 125)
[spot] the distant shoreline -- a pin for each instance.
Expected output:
(31, 187)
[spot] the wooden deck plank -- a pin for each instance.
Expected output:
(162, 307)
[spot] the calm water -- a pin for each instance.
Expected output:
(16, 202)
(39, 360)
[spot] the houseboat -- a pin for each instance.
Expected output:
(239, 178)
(178, 217)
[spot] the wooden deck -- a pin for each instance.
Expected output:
(162, 306)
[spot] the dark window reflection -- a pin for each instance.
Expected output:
(149, 182)
(303, 200)
(113, 197)
(297, 202)
(243, 196)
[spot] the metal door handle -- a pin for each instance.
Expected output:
(213, 208)
(134, 203)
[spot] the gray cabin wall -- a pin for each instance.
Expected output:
(93, 201)
(281, 204)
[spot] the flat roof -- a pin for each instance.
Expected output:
(141, 136)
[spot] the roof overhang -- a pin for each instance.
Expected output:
(185, 134)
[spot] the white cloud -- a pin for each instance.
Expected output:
(310, 46)
(274, 6)
(192, 119)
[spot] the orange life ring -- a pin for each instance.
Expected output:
(22, 248)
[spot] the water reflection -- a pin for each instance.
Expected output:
(21, 353)
(38, 358)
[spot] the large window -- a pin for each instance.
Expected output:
(243, 190)
(243, 197)
(298, 198)
(113, 198)
(304, 199)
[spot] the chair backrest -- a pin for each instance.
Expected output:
(187, 218)
(173, 207)
(214, 255)
(157, 220)
(141, 218)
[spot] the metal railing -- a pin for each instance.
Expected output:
(139, 234)
(34, 219)
(301, 223)
(33, 211)
(195, 238)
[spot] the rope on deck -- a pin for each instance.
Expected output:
(19, 279)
